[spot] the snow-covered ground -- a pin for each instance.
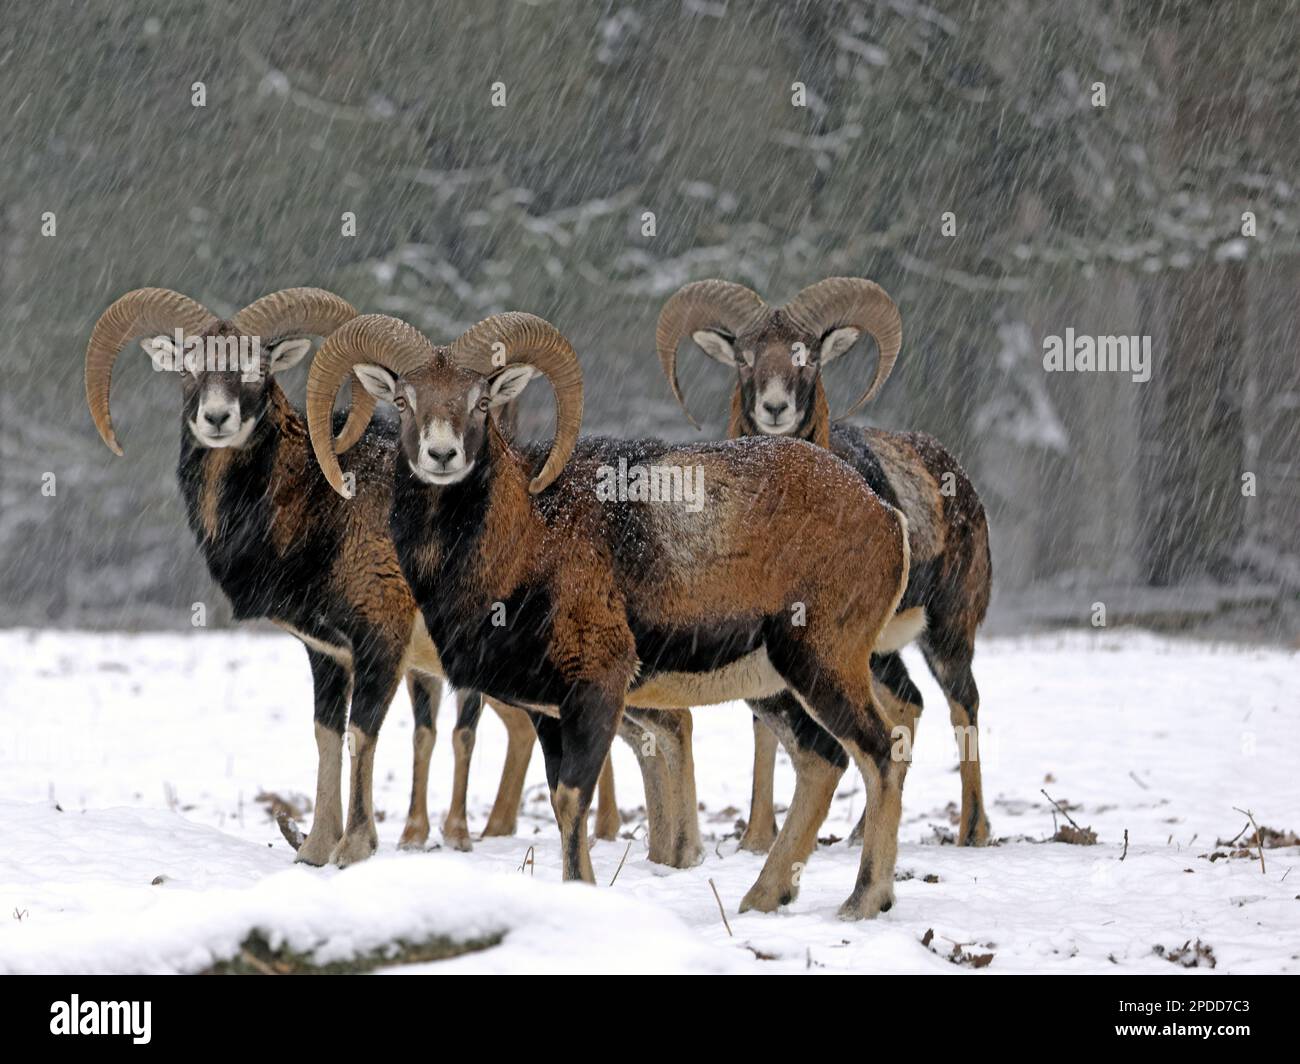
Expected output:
(125, 759)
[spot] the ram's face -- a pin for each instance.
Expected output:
(777, 366)
(224, 379)
(444, 409)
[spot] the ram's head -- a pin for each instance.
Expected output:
(778, 352)
(224, 367)
(444, 394)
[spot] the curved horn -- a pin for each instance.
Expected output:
(309, 312)
(701, 305)
(294, 312)
(843, 301)
(143, 312)
(535, 341)
(361, 408)
(388, 342)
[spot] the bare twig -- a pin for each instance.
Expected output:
(1259, 838)
(1061, 808)
(1134, 775)
(1236, 836)
(721, 910)
(530, 861)
(1125, 853)
(620, 863)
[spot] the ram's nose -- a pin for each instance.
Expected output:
(441, 457)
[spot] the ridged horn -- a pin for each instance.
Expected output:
(361, 409)
(309, 312)
(702, 305)
(526, 338)
(838, 302)
(388, 342)
(143, 312)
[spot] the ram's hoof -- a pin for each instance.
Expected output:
(500, 827)
(414, 835)
(977, 836)
(353, 848)
(758, 838)
(456, 836)
(317, 848)
(689, 854)
(869, 904)
(767, 899)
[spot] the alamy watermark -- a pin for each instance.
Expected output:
(209, 354)
(1098, 354)
(683, 485)
(102, 1017)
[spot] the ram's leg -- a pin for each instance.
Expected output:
(822, 667)
(520, 737)
(426, 693)
(950, 661)
(869, 738)
(894, 690)
(375, 681)
(819, 762)
(455, 825)
(760, 829)
(331, 682)
(778, 882)
(661, 740)
(608, 819)
(655, 780)
(884, 775)
(551, 738)
(589, 717)
(678, 731)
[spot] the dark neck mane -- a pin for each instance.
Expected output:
(239, 501)
(484, 527)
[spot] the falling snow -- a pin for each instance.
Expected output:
(1009, 173)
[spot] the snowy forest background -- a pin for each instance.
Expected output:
(1123, 219)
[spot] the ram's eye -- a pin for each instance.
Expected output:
(484, 404)
(400, 403)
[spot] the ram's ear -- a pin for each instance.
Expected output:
(287, 354)
(716, 346)
(837, 342)
(377, 381)
(509, 383)
(161, 351)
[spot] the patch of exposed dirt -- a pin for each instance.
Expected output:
(960, 952)
(1189, 955)
(256, 957)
